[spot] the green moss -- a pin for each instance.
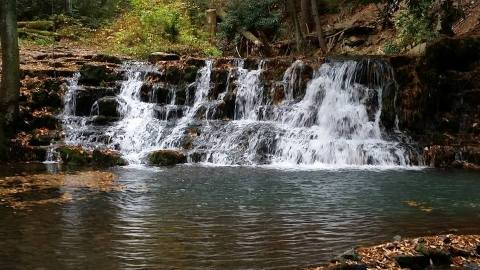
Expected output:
(74, 155)
(166, 158)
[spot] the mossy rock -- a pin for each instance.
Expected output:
(107, 158)
(166, 158)
(74, 155)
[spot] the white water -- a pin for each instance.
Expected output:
(335, 124)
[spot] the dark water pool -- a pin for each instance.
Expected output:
(236, 218)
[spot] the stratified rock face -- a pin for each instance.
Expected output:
(166, 158)
(45, 77)
(439, 101)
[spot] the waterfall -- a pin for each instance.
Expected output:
(336, 122)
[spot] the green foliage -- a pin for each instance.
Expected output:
(156, 25)
(91, 12)
(414, 25)
(250, 15)
(391, 48)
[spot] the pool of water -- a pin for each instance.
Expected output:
(193, 217)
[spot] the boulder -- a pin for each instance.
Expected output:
(166, 158)
(86, 96)
(162, 56)
(74, 155)
(95, 74)
(107, 158)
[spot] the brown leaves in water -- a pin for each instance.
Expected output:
(419, 205)
(30, 190)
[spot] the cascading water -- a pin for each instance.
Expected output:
(335, 123)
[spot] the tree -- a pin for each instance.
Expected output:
(306, 15)
(10, 84)
(318, 25)
(298, 31)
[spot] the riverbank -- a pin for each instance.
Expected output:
(453, 251)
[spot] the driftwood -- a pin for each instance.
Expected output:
(247, 34)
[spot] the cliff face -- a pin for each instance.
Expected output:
(438, 101)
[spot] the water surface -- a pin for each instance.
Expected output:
(193, 217)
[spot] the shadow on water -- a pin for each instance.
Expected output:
(191, 217)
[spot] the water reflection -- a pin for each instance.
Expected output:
(235, 218)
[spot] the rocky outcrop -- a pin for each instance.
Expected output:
(438, 101)
(78, 156)
(166, 158)
(43, 87)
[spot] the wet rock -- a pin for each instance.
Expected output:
(219, 78)
(74, 155)
(190, 73)
(87, 95)
(389, 113)
(166, 158)
(43, 119)
(95, 74)
(229, 107)
(414, 262)
(106, 106)
(44, 137)
(162, 56)
(197, 157)
(277, 94)
(173, 74)
(102, 120)
(169, 112)
(436, 256)
(107, 158)
(197, 62)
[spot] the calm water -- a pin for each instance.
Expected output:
(235, 218)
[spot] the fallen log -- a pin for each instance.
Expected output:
(37, 25)
(247, 34)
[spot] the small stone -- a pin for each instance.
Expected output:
(397, 238)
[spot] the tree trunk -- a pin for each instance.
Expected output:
(298, 31)
(318, 25)
(10, 84)
(306, 15)
(67, 7)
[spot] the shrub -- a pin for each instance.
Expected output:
(250, 15)
(156, 25)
